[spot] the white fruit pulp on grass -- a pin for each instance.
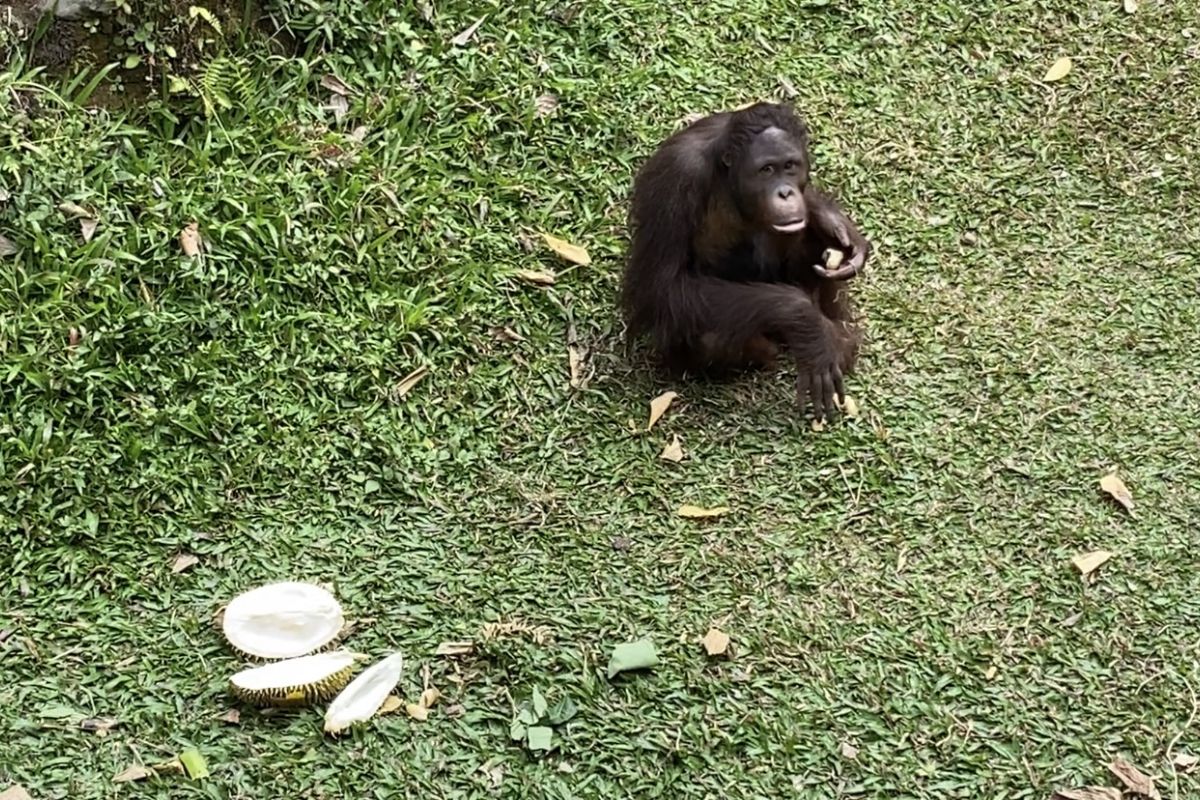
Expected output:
(283, 620)
(294, 672)
(362, 698)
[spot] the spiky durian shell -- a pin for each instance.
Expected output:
(295, 682)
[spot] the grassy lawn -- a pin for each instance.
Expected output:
(899, 584)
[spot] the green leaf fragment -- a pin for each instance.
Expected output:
(527, 716)
(632, 655)
(516, 731)
(194, 764)
(541, 738)
(539, 704)
(562, 711)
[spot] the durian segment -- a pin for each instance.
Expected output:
(282, 620)
(360, 700)
(296, 681)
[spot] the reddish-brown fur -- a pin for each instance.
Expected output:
(713, 286)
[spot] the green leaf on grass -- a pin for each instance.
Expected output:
(632, 655)
(527, 716)
(516, 731)
(541, 738)
(562, 711)
(194, 764)
(539, 704)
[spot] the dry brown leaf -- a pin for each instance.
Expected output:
(659, 406)
(1185, 761)
(849, 407)
(1088, 793)
(673, 451)
(697, 512)
(15, 792)
(461, 39)
(7, 247)
(339, 105)
(538, 277)
(849, 751)
(73, 209)
(98, 725)
(1058, 70)
(410, 380)
(571, 252)
(135, 773)
(1087, 563)
(545, 105)
(190, 241)
(1131, 6)
(716, 642)
(184, 561)
(231, 717)
(991, 672)
(1118, 490)
(390, 705)
(1134, 779)
(336, 85)
(429, 697)
(417, 711)
(87, 227)
(462, 648)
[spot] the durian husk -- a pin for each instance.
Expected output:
(362, 698)
(249, 620)
(295, 682)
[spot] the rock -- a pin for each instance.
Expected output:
(73, 9)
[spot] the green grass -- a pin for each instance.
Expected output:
(241, 408)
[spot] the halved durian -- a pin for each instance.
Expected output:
(282, 620)
(360, 700)
(296, 681)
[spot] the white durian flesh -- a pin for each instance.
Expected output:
(360, 700)
(282, 620)
(296, 681)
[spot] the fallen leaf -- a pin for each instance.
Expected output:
(461, 39)
(538, 277)
(417, 711)
(545, 105)
(172, 767)
(231, 717)
(1087, 563)
(562, 711)
(673, 451)
(659, 406)
(1116, 487)
(190, 241)
(621, 543)
(991, 672)
(1072, 620)
(87, 227)
(1131, 6)
(1088, 793)
(716, 642)
(359, 133)
(849, 751)
(410, 380)
(849, 407)
(818, 425)
(98, 725)
(339, 105)
(194, 764)
(7, 247)
(461, 648)
(74, 336)
(1058, 70)
(15, 792)
(390, 705)
(455, 711)
(1185, 761)
(571, 252)
(697, 512)
(73, 209)
(336, 85)
(632, 655)
(184, 561)
(1134, 779)
(135, 773)
(540, 737)
(575, 365)
(429, 697)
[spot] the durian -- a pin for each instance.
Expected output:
(296, 681)
(360, 700)
(282, 620)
